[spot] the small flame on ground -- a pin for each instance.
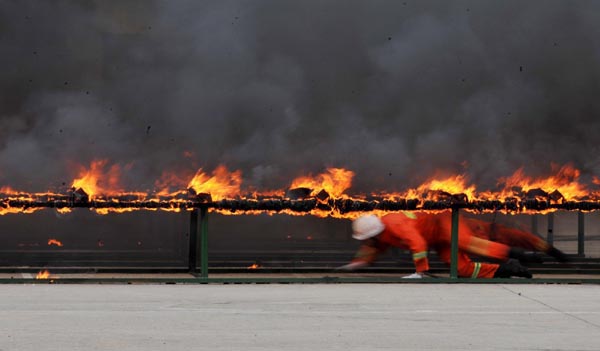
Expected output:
(54, 242)
(254, 266)
(44, 274)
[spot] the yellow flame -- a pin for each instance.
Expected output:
(44, 274)
(96, 180)
(222, 184)
(100, 181)
(565, 180)
(335, 181)
(453, 185)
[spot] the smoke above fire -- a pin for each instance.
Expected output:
(395, 92)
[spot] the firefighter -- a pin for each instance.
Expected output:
(422, 232)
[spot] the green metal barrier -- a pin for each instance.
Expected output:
(204, 242)
(203, 247)
(198, 248)
(454, 245)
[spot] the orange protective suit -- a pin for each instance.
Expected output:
(420, 232)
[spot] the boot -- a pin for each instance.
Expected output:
(525, 257)
(512, 268)
(556, 253)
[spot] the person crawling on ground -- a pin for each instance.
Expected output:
(422, 232)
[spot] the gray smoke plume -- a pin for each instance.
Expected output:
(396, 91)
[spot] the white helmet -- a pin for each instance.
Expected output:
(367, 226)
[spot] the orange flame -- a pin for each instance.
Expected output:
(4, 211)
(44, 274)
(565, 180)
(453, 185)
(167, 181)
(95, 181)
(8, 190)
(254, 266)
(335, 181)
(12, 194)
(54, 242)
(221, 185)
(101, 182)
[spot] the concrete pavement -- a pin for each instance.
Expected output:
(300, 317)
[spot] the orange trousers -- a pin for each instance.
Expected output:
(469, 242)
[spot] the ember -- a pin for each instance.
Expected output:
(54, 242)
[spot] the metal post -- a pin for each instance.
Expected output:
(454, 245)
(204, 242)
(193, 242)
(534, 224)
(580, 233)
(550, 237)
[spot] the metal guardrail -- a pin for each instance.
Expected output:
(199, 248)
(198, 251)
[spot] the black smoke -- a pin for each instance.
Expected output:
(396, 91)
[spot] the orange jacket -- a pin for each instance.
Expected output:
(405, 230)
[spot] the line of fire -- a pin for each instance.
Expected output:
(297, 201)
(323, 195)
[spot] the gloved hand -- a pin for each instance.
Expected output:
(351, 266)
(512, 268)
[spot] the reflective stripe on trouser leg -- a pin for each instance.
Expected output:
(419, 255)
(477, 267)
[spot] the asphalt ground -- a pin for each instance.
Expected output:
(299, 317)
(93, 277)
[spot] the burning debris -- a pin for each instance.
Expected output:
(298, 193)
(322, 195)
(79, 195)
(533, 200)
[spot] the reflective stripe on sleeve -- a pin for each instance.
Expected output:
(476, 270)
(419, 255)
(409, 214)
